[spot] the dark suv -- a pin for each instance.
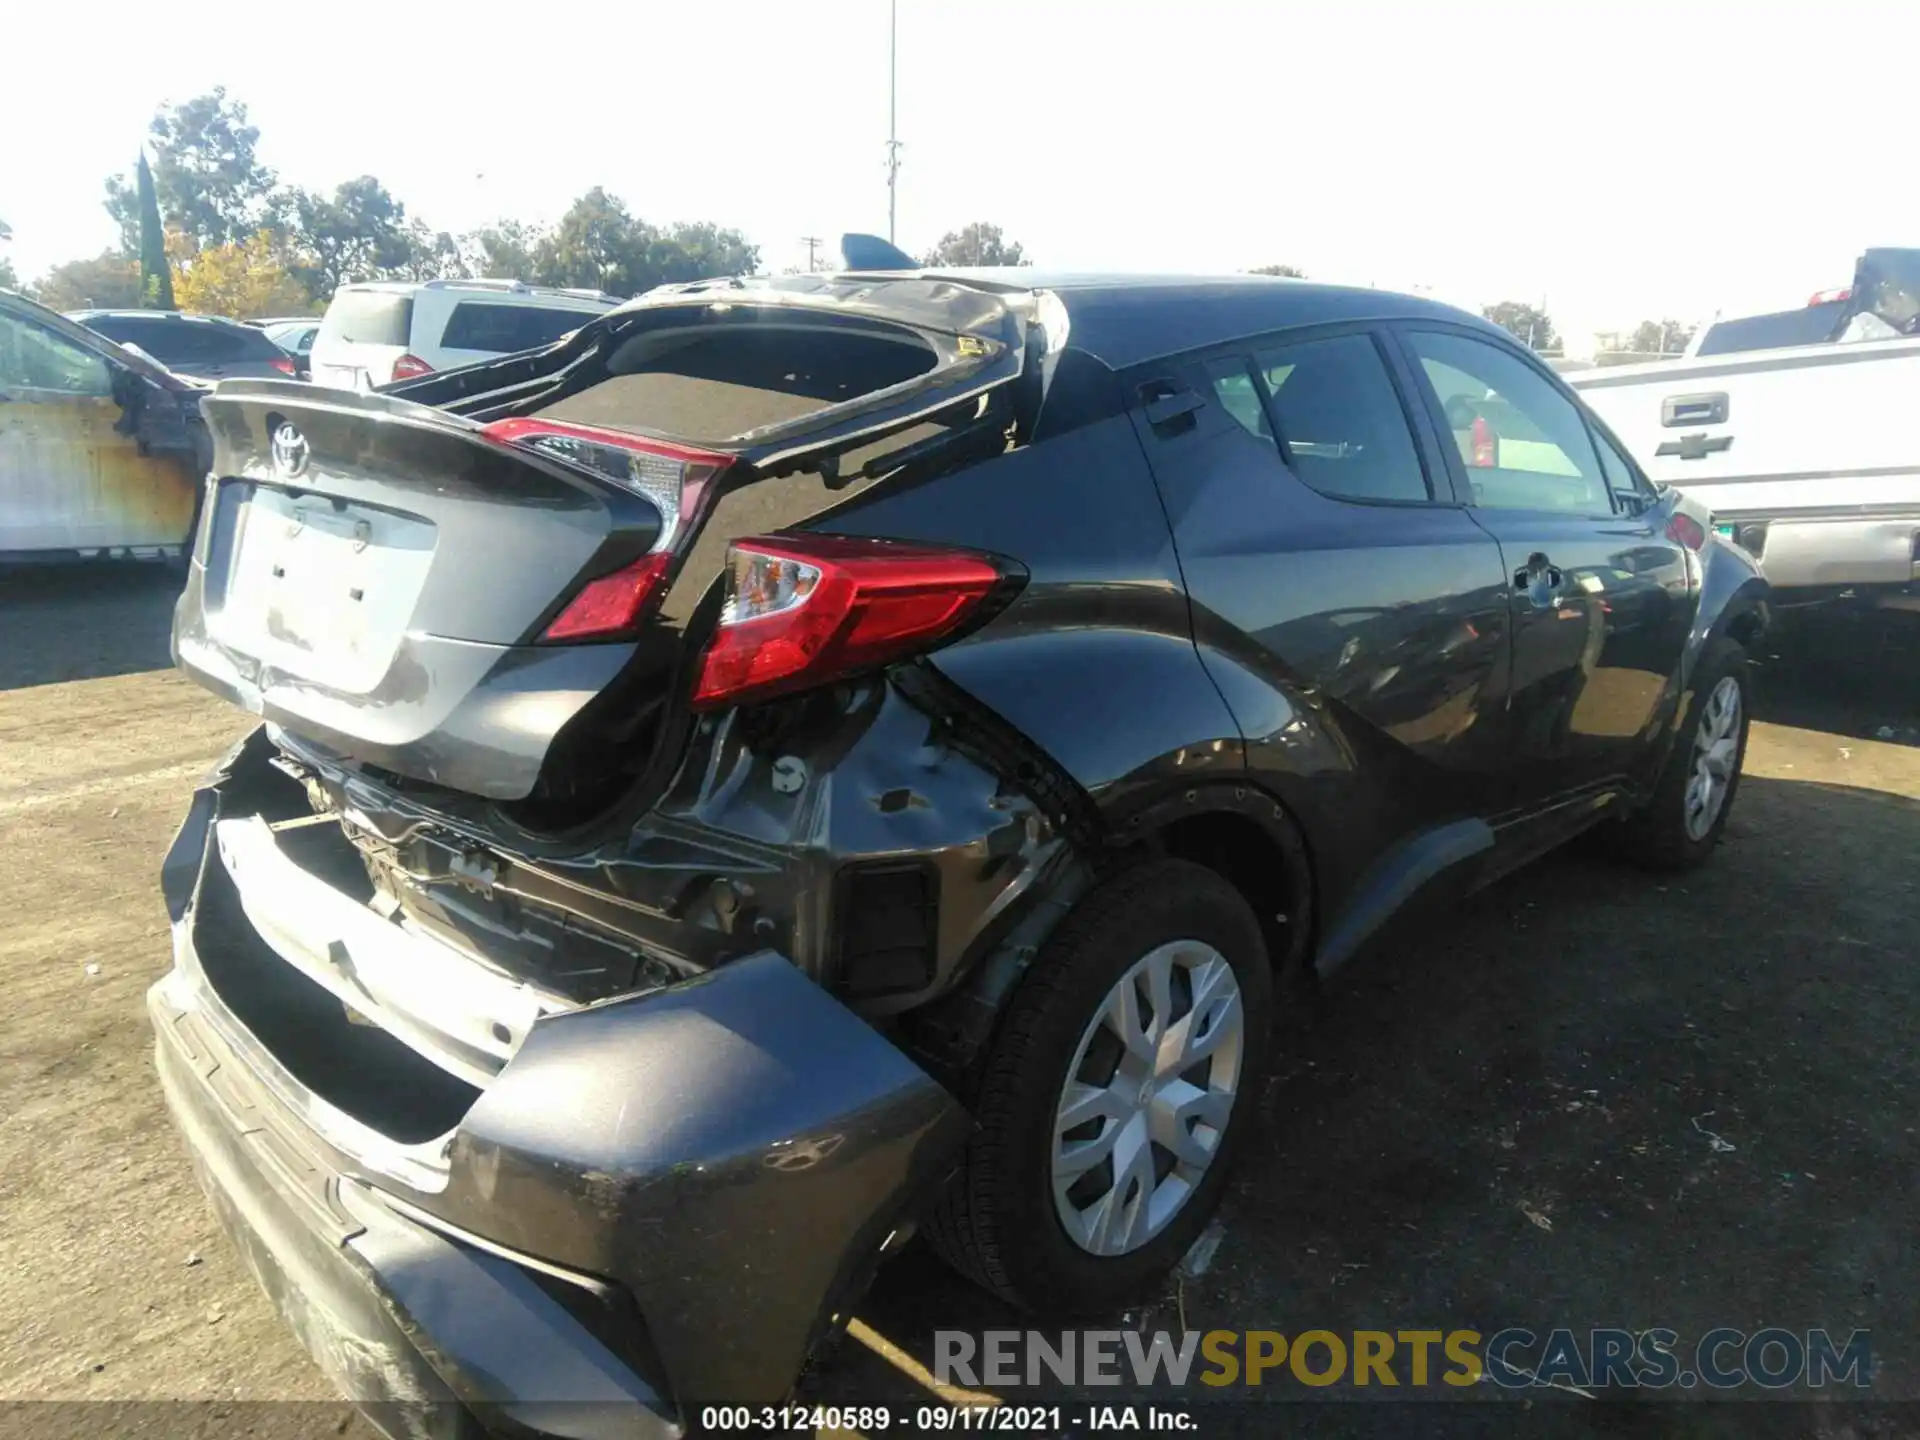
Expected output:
(805, 759)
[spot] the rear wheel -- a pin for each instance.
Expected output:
(1682, 821)
(1115, 1094)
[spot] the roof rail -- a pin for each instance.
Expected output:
(519, 286)
(578, 292)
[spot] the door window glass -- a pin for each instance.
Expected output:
(1619, 474)
(33, 358)
(1339, 418)
(1523, 443)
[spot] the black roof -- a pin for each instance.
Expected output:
(1126, 320)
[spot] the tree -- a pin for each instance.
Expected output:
(109, 281)
(248, 277)
(700, 250)
(206, 176)
(358, 234)
(1291, 272)
(8, 280)
(1660, 337)
(1524, 322)
(597, 245)
(432, 255)
(978, 244)
(502, 250)
(156, 276)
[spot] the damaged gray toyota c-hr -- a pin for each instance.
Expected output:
(804, 761)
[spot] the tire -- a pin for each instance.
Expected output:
(1000, 1222)
(1666, 833)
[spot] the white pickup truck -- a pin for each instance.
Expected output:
(1800, 430)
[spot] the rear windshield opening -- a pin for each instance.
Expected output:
(724, 383)
(368, 317)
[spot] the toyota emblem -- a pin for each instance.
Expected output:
(289, 451)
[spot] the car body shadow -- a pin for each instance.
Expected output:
(85, 620)
(1508, 1117)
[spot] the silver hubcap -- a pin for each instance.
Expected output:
(1716, 751)
(1147, 1097)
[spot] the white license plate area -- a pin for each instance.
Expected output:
(321, 590)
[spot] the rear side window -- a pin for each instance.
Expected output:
(502, 329)
(179, 341)
(1524, 445)
(368, 317)
(1334, 413)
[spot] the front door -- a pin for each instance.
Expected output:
(1600, 595)
(69, 479)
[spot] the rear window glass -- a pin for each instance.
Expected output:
(368, 317)
(1813, 325)
(727, 383)
(174, 340)
(502, 329)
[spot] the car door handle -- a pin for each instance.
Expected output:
(1540, 581)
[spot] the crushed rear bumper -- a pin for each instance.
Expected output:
(658, 1203)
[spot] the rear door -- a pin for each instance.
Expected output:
(1600, 594)
(1322, 547)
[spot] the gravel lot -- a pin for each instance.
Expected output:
(1558, 1048)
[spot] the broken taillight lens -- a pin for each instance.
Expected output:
(674, 478)
(800, 612)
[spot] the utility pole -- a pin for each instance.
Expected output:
(893, 139)
(810, 241)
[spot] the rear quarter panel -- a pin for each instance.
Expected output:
(1094, 661)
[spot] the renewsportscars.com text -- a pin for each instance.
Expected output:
(1514, 1358)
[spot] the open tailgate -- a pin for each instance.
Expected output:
(380, 576)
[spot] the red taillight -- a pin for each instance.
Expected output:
(614, 603)
(800, 612)
(675, 478)
(1827, 297)
(1486, 445)
(283, 365)
(1687, 531)
(410, 367)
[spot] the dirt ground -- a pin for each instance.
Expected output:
(1499, 1117)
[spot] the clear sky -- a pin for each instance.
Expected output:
(1620, 160)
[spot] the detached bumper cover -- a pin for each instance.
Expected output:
(724, 1158)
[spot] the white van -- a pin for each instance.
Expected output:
(377, 332)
